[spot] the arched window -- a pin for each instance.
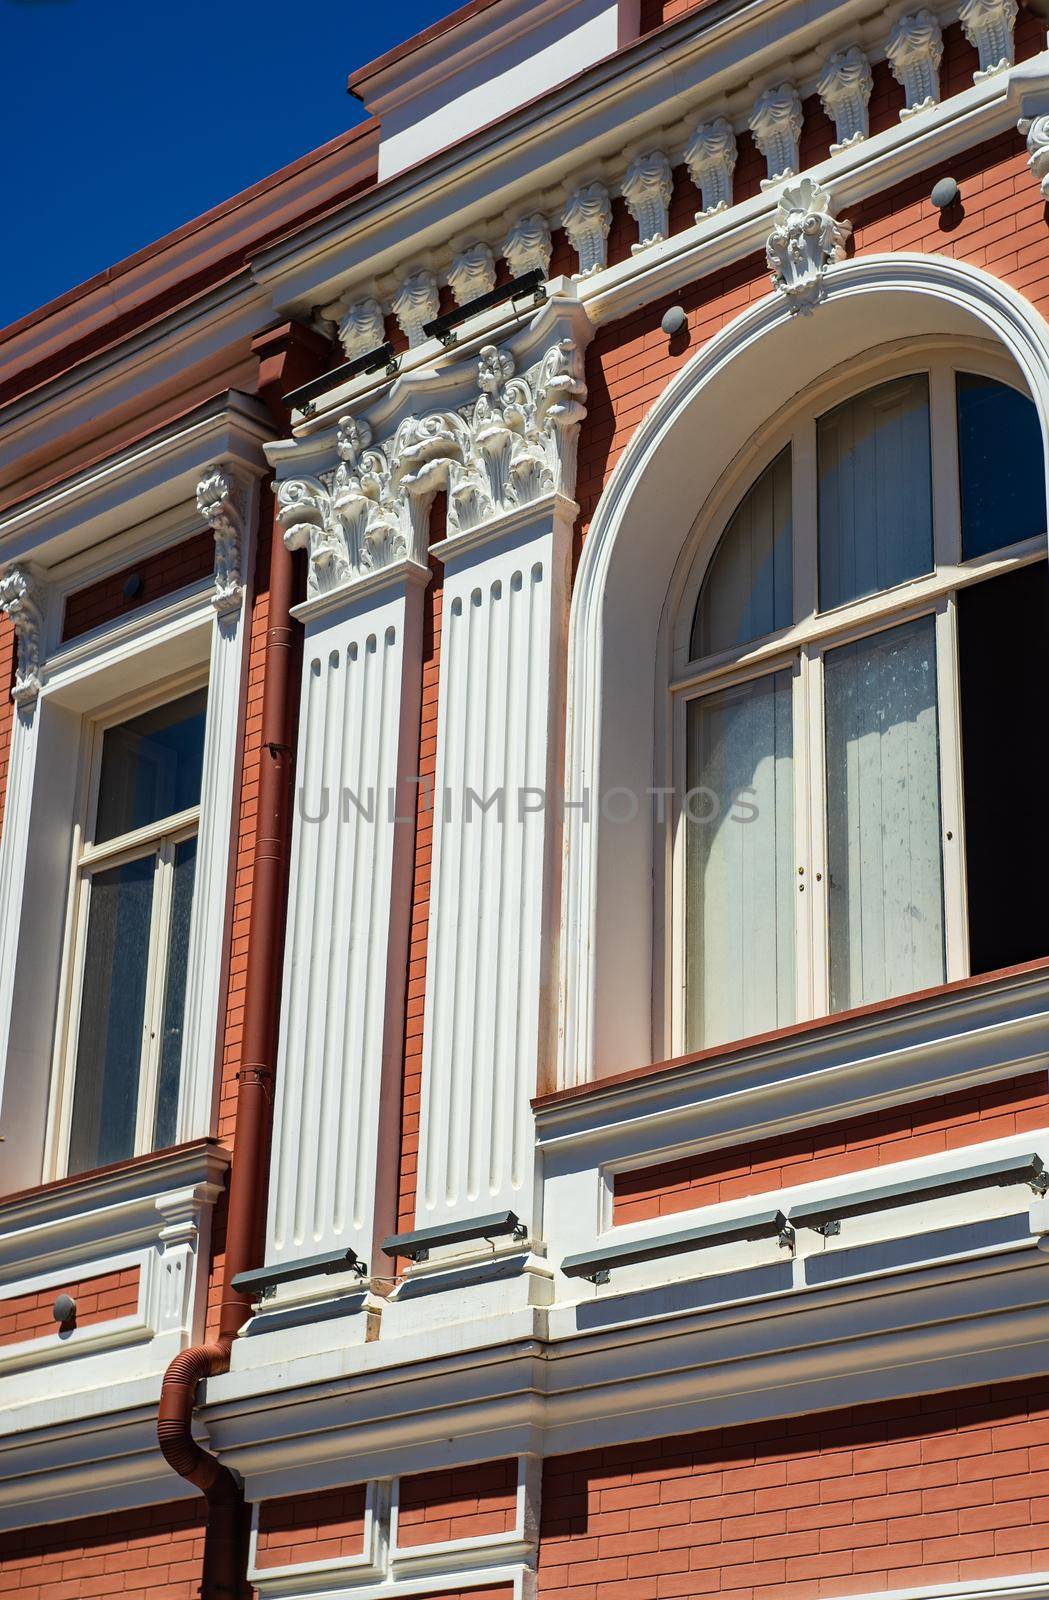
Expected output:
(860, 724)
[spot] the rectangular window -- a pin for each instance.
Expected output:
(136, 877)
(739, 819)
(885, 873)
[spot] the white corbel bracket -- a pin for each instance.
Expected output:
(804, 242)
(221, 504)
(22, 598)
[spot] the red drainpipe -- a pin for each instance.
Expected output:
(289, 355)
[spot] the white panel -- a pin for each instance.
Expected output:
(345, 964)
(495, 836)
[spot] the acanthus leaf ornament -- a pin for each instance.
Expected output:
(845, 89)
(1036, 132)
(362, 328)
(804, 242)
(988, 26)
(528, 246)
(472, 273)
(22, 601)
(914, 51)
(220, 505)
(587, 218)
(775, 123)
(416, 303)
(647, 189)
(711, 160)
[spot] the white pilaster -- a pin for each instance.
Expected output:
(338, 1091)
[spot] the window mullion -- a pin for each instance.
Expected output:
(816, 865)
(805, 512)
(946, 493)
(154, 1007)
(952, 802)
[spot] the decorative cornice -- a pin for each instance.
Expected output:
(587, 218)
(711, 159)
(22, 598)
(845, 89)
(914, 51)
(646, 189)
(775, 123)
(1036, 130)
(220, 503)
(804, 242)
(528, 247)
(472, 273)
(510, 446)
(362, 328)
(416, 303)
(988, 26)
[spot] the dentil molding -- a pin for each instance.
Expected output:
(221, 503)
(511, 443)
(22, 602)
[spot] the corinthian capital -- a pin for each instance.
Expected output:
(775, 123)
(220, 502)
(22, 602)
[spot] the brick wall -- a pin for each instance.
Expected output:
(899, 1133)
(944, 1489)
(316, 1527)
(154, 1554)
(159, 574)
(99, 1299)
(468, 1503)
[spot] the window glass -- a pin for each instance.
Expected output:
(875, 491)
(151, 766)
(1002, 466)
(112, 1015)
(885, 881)
(1003, 647)
(739, 818)
(183, 873)
(748, 590)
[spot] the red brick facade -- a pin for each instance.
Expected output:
(900, 1133)
(469, 1503)
(938, 1490)
(153, 1554)
(316, 1527)
(157, 575)
(99, 1299)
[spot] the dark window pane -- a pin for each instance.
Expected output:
(748, 590)
(112, 1010)
(151, 766)
(1003, 640)
(1002, 466)
(875, 491)
(175, 995)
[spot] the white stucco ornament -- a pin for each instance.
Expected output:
(711, 159)
(775, 123)
(528, 247)
(845, 89)
(362, 328)
(914, 51)
(416, 303)
(510, 446)
(989, 28)
(1036, 131)
(472, 273)
(804, 242)
(22, 602)
(646, 190)
(219, 505)
(587, 218)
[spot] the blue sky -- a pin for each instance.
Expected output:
(121, 119)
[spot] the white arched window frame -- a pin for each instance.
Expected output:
(800, 650)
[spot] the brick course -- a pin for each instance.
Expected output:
(99, 1299)
(942, 1489)
(163, 573)
(468, 1503)
(899, 1133)
(316, 1527)
(154, 1554)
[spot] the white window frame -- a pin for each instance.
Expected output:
(801, 648)
(161, 837)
